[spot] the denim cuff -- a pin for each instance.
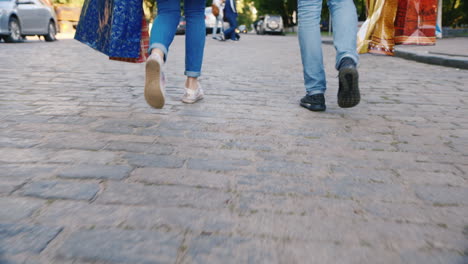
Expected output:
(316, 91)
(158, 46)
(192, 74)
(354, 58)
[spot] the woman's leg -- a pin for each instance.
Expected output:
(194, 40)
(165, 26)
(162, 35)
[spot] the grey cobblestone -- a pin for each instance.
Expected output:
(244, 176)
(121, 246)
(115, 172)
(164, 196)
(60, 190)
(151, 160)
(182, 176)
(16, 238)
(157, 149)
(443, 195)
(15, 209)
(217, 165)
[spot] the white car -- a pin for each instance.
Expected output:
(20, 18)
(270, 24)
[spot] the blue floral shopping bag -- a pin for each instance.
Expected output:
(113, 27)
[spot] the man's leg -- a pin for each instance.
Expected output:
(230, 32)
(310, 42)
(344, 20)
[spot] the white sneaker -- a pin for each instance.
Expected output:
(155, 82)
(191, 96)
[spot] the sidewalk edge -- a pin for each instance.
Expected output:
(428, 59)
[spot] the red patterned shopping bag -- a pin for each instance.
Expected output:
(416, 22)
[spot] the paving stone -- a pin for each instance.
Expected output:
(80, 215)
(83, 157)
(16, 155)
(33, 239)
(162, 195)
(273, 184)
(124, 126)
(9, 185)
(157, 149)
(439, 215)
(16, 209)
(73, 141)
(290, 168)
(151, 160)
(12, 142)
(217, 165)
(113, 172)
(26, 171)
(215, 249)
(443, 195)
(433, 257)
(261, 180)
(352, 230)
(60, 190)
(432, 178)
(121, 246)
(182, 176)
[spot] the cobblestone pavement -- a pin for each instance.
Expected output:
(90, 174)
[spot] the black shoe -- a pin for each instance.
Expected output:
(314, 102)
(348, 92)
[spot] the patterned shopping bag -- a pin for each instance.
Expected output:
(144, 45)
(416, 22)
(113, 27)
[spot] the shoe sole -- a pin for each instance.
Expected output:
(154, 95)
(309, 107)
(348, 93)
(192, 101)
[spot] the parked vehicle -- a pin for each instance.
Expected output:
(269, 24)
(242, 29)
(181, 26)
(20, 18)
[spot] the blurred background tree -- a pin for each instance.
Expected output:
(455, 13)
(71, 3)
(288, 9)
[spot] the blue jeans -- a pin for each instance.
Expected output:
(230, 33)
(165, 26)
(344, 20)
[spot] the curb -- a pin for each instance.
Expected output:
(445, 61)
(433, 59)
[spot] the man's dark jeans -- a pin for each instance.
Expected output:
(230, 32)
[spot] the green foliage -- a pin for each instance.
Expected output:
(454, 13)
(245, 16)
(285, 8)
